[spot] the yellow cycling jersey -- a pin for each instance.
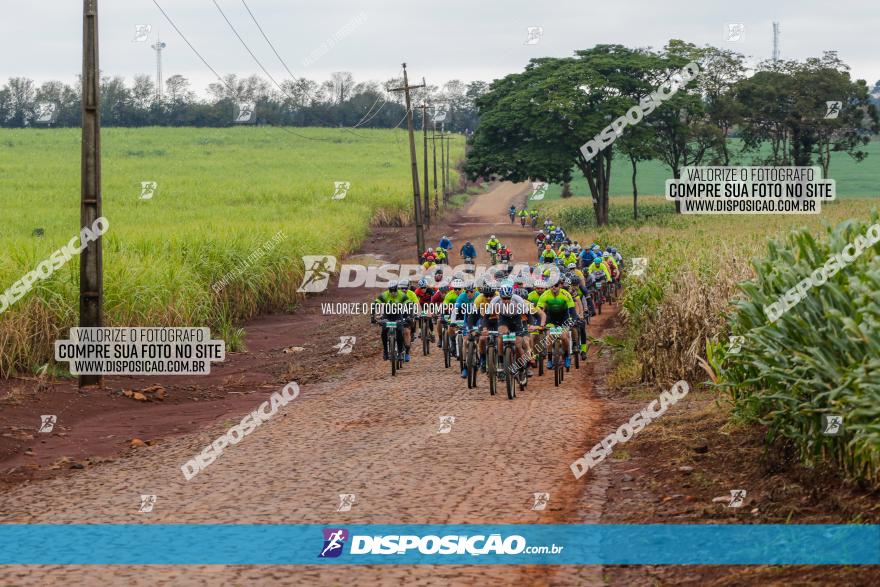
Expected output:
(411, 296)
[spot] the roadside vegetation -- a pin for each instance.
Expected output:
(221, 194)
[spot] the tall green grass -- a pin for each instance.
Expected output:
(221, 194)
(822, 357)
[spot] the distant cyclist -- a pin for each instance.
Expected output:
(468, 251)
(394, 305)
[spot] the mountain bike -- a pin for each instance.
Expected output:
(459, 343)
(514, 372)
(512, 216)
(534, 222)
(425, 333)
(574, 342)
(394, 356)
(522, 221)
(448, 338)
(494, 257)
(558, 355)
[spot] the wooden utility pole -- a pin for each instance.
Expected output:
(443, 165)
(434, 153)
(91, 282)
(448, 168)
(417, 203)
(427, 194)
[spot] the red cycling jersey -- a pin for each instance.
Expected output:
(425, 295)
(437, 298)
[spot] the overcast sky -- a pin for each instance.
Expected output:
(468, 40)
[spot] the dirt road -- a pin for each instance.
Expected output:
(364, 433)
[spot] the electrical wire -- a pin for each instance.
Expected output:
(265, 36)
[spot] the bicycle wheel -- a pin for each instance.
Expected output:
(473, 363)
(558, 368)
(491, 368)
(424, 332)
(392, 350)
(576, 346)
(447, 349)
(459, 350)
(508, 372)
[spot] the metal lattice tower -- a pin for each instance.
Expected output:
(158, 48)
(775, 42)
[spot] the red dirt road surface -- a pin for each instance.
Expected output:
(353, 429)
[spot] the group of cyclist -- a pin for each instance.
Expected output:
(558, 294)
(525, 215)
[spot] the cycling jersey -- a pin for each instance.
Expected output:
(438, 297)
(604, 268)
(450, 298)
(411, 296)
(493, 245)
(548, 256)
(556, 306)
(465, 306)
(425, 294)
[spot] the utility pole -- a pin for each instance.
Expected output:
(158, 48)
(434, 153)
(91, 282)
(442, 165)
(417, 203)
(427, 204)
(448, 168)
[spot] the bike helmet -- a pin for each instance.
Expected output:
(491, 238)
(566, 281)
(505, 291)
(469, 286)
(541, 231)
(430, 249)
(540, 284)
(571, 266)
(423, 283)
(457, 284)
(613, 250)
(597, 261)
(392, 286)
(606, 254)
(487, 290)
(519, 291)
(467, 242)
(404, 284)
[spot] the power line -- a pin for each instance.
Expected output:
(265, 36)
(219, 77)
(257, 61)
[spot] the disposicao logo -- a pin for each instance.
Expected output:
(334, 540)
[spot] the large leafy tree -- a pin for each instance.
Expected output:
(533, 123)
(784, 104)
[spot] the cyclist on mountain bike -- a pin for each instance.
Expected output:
(440, 253)
(483, 321)
(445, 243)
(573, 285)
(447, 305)
(548, 255)
(464, 308)
(540, 239)
(511, 310)
(557, 235)
(504, 253)
(522, 216)
(468, 251)
(511, 212)
(429, 256)
(560, 309)
(492, 246)
(394, 305)
(598, 265)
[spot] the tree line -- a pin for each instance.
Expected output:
(534, 123)
(339, 101)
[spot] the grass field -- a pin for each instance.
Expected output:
(853, 179)
(222, 193)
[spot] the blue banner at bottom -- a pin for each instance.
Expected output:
(492, 544)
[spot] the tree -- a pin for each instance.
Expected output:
(533, 124)
(177, 89)
(343, 82)
(20, 101)
(786, 105)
